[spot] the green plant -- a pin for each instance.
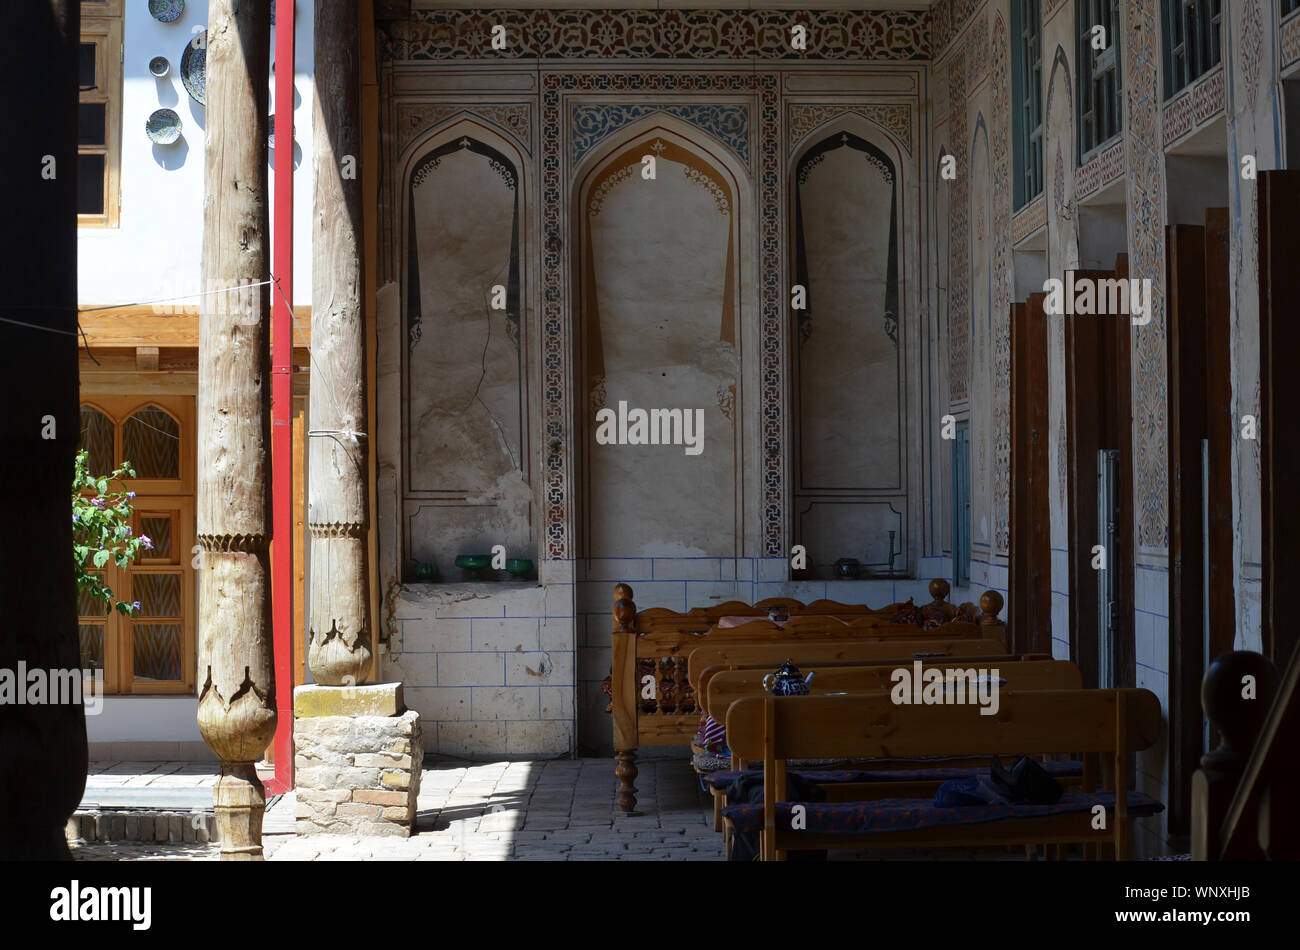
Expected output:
(101, 519)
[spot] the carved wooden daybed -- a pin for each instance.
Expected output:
(656, 643)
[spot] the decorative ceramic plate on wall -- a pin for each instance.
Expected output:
(163, 127)
(159, 67)
(194, 68)
(166, 11)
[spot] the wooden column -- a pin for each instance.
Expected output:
(43, 746)
(339, 513)
(237, 694)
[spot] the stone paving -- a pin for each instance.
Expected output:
(554, 810)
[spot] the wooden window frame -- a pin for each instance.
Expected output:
(103, 28)
(154, 496)
(1100, 77)
(1193, 46)
(1027, 55)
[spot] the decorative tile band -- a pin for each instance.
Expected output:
(1290, 39)
(1029, 219)
(660, 34)
(592, 123)
(896, 119)
(1100, 170)
(949, 17)
(1193, 107)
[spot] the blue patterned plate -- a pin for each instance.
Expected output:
(159, 67)
(163, 127)
(194, 68)
(166, 11)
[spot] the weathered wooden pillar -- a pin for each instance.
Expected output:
(236, 669)
(338, 501)
(42, 745)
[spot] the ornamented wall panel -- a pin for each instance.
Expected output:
(849, 367)
(465, 440)
(659, 298)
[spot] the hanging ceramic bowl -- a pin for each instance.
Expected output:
(159, 67)
(194, 68)
(166, 11)
(163, 127)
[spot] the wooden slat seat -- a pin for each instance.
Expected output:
(1111, 723)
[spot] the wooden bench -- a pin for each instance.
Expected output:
(1110, 723)
(894, 778)
(656, 642)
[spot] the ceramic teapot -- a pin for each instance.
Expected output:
(787, 682)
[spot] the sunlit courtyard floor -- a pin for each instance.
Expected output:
(552, 810)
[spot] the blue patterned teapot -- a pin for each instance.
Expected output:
(786, 681)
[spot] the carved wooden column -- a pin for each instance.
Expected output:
(1237, 718)
(624, 706)
(42, 745)
(235, 662)
(338, 501)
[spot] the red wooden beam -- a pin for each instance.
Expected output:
(286, 638)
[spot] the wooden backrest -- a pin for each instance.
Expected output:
(871, 725)
(705, 676)
(773, 653)
(718, 692)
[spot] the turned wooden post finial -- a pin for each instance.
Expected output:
(624, 609)
(1236, 694)
(1237, 706)
(939, 590)
(991, 603)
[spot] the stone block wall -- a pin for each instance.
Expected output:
(357, 774)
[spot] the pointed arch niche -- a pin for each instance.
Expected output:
(850, 349)
(466, 470)
(661, 289)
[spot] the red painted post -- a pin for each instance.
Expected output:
(282, 401)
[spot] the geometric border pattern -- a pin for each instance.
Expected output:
(1146, 262)
(660, 34)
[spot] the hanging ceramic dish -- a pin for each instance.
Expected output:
(194, 68)
(166, 11)
(163, 127)
(159, 67)
(270, 134)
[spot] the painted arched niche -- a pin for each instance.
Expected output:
(466, 441)
(850, 450)
(659, 279)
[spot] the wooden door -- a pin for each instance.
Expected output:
(1186, 357)
(1030, 557)
(1098, 360)
(1279, 342)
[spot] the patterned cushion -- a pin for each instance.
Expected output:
(840, 776)
(911, 814)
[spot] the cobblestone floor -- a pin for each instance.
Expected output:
(555, 810)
